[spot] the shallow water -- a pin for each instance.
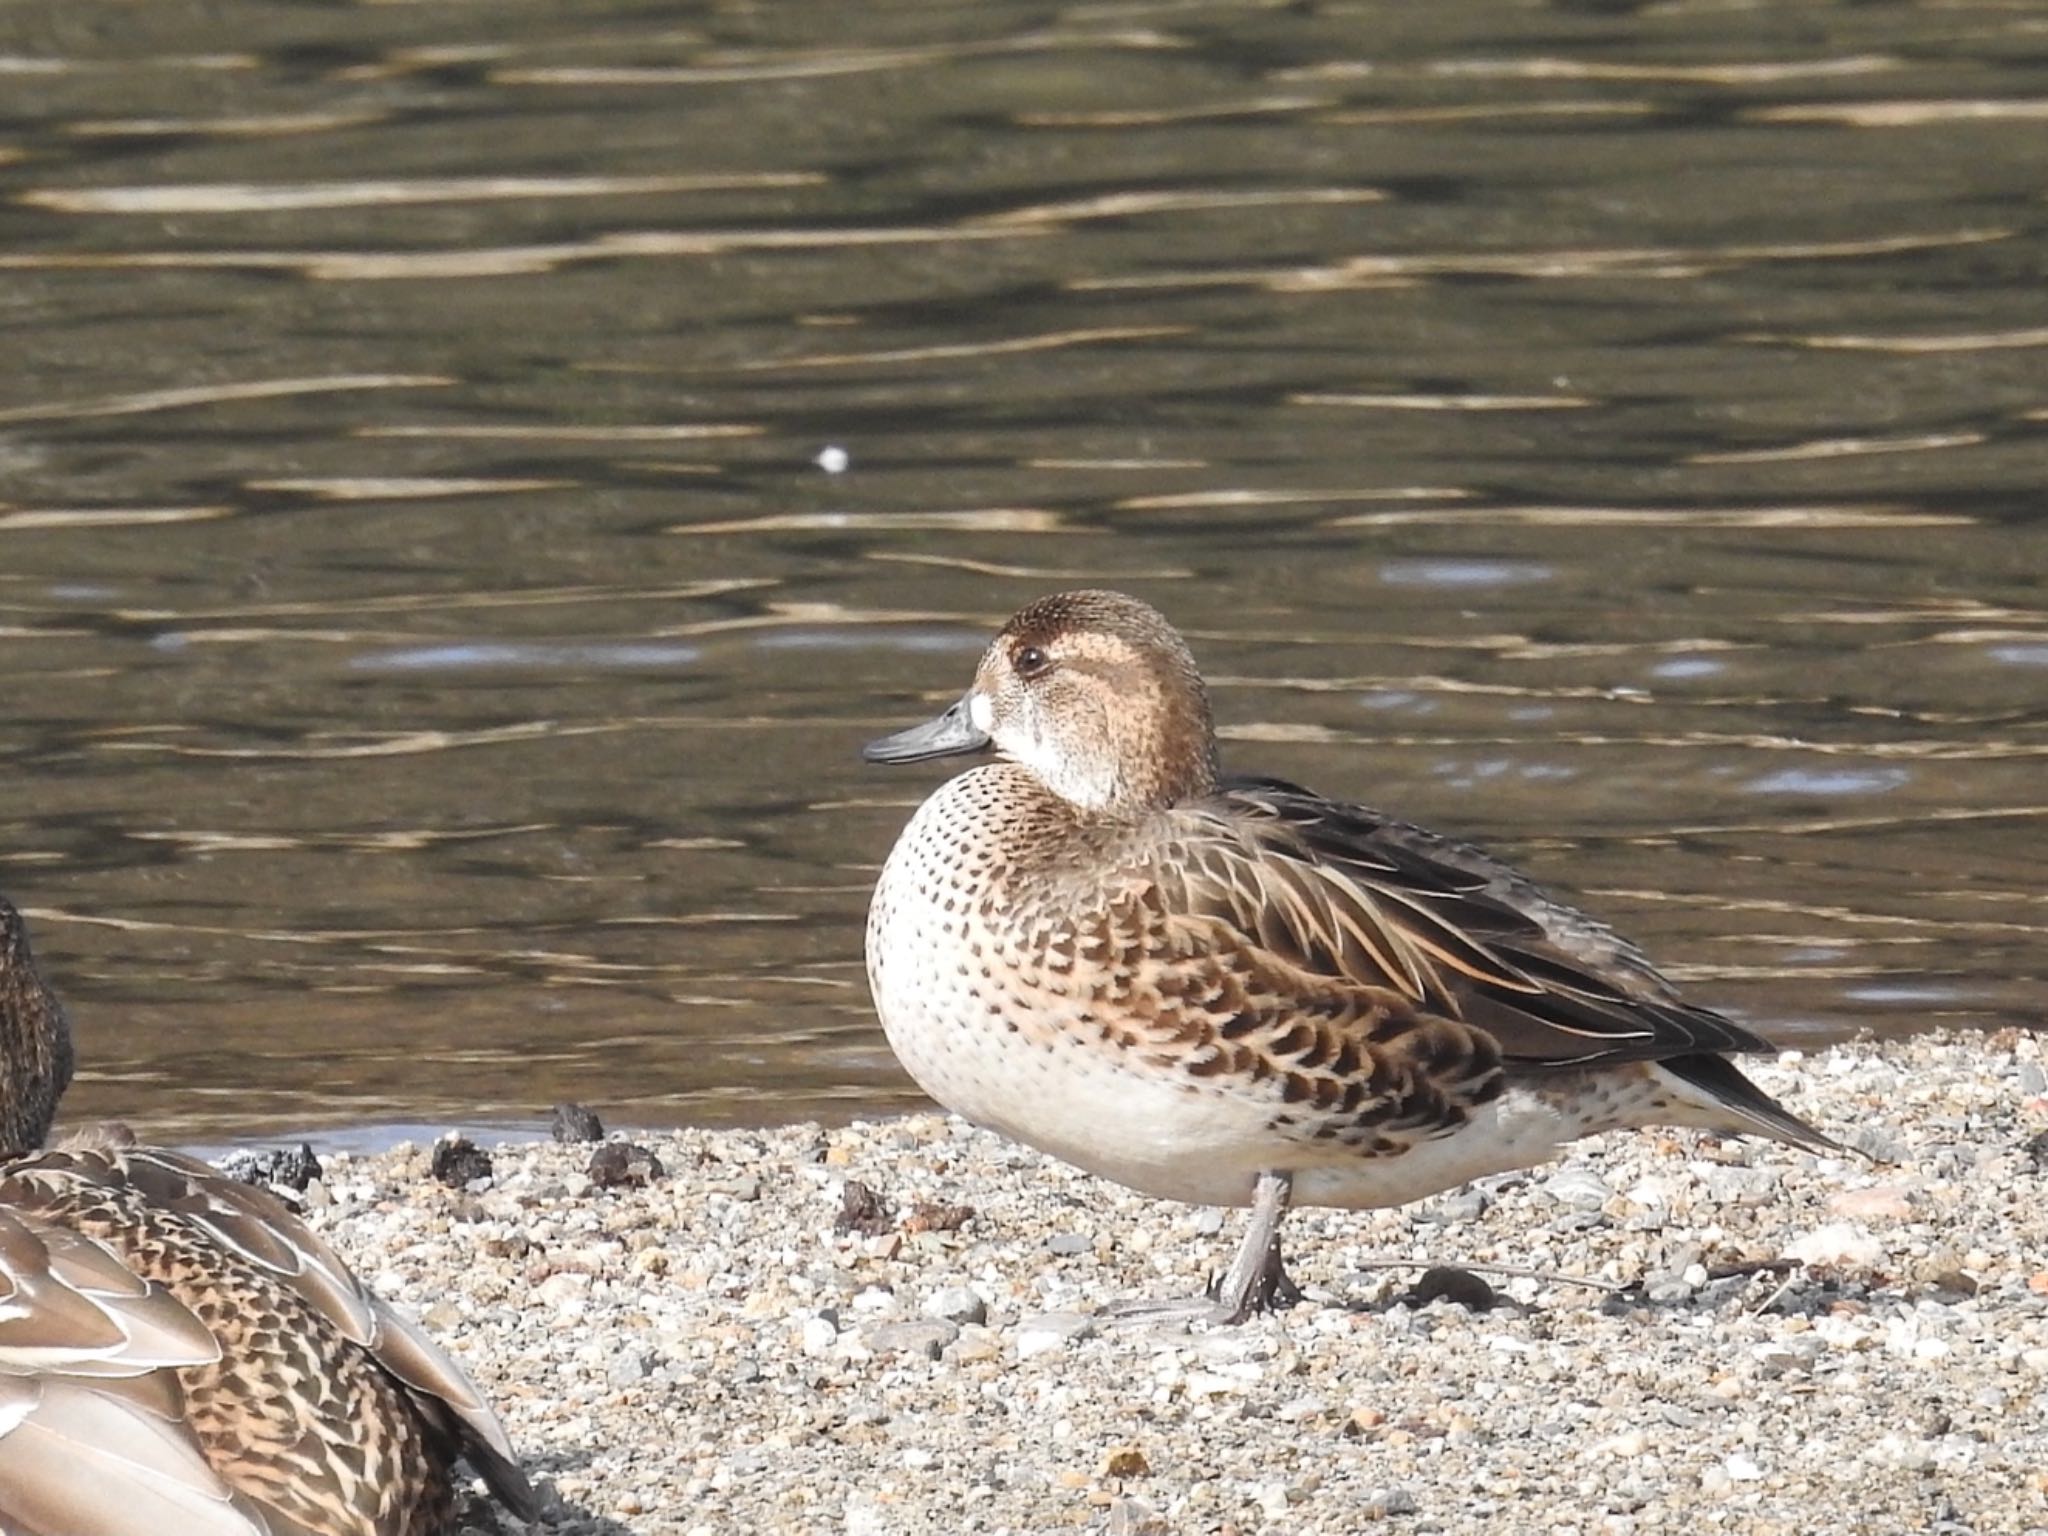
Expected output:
(435, 660)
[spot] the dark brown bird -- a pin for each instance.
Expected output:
(180, 1355)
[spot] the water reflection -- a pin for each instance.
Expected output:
(1834, 784)
(437, 648)
(1461, 573)
(472, 655)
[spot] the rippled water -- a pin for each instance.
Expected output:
(435, 659)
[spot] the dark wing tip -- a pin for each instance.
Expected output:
(1757, 1112)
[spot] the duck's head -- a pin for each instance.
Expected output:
(1093, 693)
(35, 1042)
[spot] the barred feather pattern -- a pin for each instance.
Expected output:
(274, 1380)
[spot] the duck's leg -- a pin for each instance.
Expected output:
(1255, 1282)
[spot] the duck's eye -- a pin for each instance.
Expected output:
(1030, 661)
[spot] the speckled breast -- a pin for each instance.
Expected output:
(935, 959)
(970, 956)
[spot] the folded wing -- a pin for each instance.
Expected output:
(1347, 893)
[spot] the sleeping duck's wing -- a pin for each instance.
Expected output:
(78, 1457)
(250, 1222)
(69, 1305)
(92, 1436)
(264, 1230)
(223, 1229)
(445, 1390)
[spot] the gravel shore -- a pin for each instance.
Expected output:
(742, 1340)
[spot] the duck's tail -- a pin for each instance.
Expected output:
(1722, 1099)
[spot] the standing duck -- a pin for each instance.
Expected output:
(1233, 991)
(179, 1353)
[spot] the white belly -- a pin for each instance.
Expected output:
(1044, 1076)
(1517, 1130)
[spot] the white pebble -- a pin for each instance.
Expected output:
(1839, 1244)
(956, 1304)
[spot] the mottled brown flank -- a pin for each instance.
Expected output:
(1346, 893)
(1353, 1064)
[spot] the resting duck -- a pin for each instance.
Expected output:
(1236, 991)
(181, 1356)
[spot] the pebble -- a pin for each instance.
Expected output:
(930, 1338)
(1383, 1503)
(1872, 1143)
(622, 1165)
(1838, 1245)
(569, 1123)
(957, 1304)
(1781, 1355)
(704, 1353)
(1578, 1189)
(1880, 1202)
(1135, 1517)
(1052, 1330)
(630, 1368)
(2037, 1151)
(459, 1163)
(1300, 1409)
(1123, 1461)
(1465, 1205)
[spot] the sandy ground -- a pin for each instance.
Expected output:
(1775, 1342)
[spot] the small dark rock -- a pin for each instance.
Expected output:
(861, 1210)
(466, 1207)
(574, 1123)
(2036, 1148)
(928, 1217)
(1447, 1282)
(458, 1160)
(1953, 1282)
(293, 1167)
(622, 1165)
(1742, 1269)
